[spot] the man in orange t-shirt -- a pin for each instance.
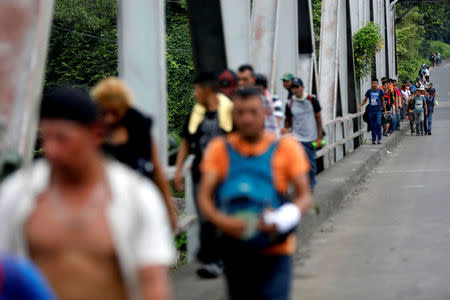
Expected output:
(243, 192)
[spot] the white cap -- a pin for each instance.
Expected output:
(422, 88)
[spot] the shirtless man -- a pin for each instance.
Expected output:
(96, 229)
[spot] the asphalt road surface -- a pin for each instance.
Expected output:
(392, 239)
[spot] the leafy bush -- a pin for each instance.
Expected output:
(366, 43)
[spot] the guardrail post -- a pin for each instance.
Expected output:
(193, 230)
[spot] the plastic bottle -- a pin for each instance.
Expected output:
(314, 144)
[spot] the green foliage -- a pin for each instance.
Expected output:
(83, 43)
(409, 41)
(317, 15)
(415, 34)
(366, 43)
(179, 65)
(83, 49)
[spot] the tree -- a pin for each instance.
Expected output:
(83, 43)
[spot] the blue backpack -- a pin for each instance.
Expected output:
(245, 193)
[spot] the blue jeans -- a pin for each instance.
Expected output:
(375, 124)
(258, 276)
(311, 153)
(393, 123)
(428, 121)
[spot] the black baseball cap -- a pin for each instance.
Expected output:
(69, 103)
(296, 82)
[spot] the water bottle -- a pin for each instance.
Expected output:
(314, 144)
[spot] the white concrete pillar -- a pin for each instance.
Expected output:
(142, 61)
(262, 36)
(236, 28)
(24, 35)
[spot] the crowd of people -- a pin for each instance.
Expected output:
(95, 214)
(389, 105)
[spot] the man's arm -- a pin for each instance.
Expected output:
(181, 157)
(155, 283)
(319, 129)
(303, 198)
(362, 104)
(228, 225)
(160, 180)
(287, 124)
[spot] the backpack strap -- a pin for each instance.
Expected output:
(291, 102)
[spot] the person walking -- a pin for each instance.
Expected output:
(128, 135)
(248, 78)
(411, 104)
(304, 121)
(96, 228)
(210, 117)
(388, 107)
(431, 100)
(287, 78)
(420, 111)
(427, 74)
(275, 105)
(244, 193)
(376, 106)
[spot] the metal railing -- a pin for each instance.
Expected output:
(340, 131)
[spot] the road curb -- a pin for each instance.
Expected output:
(334, 184)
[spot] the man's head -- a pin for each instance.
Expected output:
(249, 113)
(385, 85)
(227, 82)
(374, 83)
(246, 76)
(394, 82)
(430, 85)
(287, 78)
(297, 87)
(205, 84)
(113, 98)
(70, 129)
(417, 79)
(261, 82)
(383, 79)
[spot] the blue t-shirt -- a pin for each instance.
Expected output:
(375, 99)
(419, 103)
(20, 279)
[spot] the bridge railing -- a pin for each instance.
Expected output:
(340, 132)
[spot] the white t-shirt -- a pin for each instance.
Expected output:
(136, 215)
(427, 72)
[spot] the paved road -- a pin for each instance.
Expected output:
(391, 240)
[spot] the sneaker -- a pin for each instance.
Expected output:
(379, 142)
(373, 142)
(412, 132)
(210, 270)
(429, 133)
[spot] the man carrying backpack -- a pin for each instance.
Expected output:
(243, 192)
(376, 106)
(303, 119)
